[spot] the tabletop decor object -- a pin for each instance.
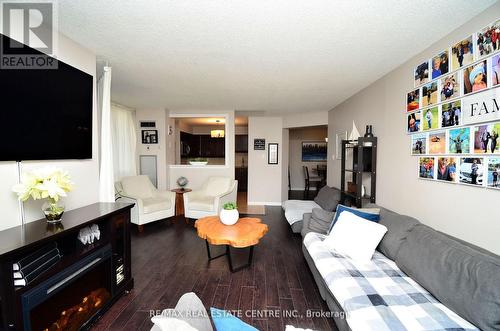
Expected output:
(182, 182)
(46, 183)
(229, 213)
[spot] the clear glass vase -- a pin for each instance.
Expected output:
(53, 210)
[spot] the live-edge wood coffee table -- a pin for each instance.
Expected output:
(245, 233)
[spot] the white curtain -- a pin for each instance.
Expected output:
(124, 142)
(106, 176)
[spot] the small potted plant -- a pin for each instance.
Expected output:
(229, 213)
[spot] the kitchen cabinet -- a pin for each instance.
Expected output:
(193, 145)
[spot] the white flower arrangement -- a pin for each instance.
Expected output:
(45, 183)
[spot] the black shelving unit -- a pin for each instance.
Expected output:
(363, 163)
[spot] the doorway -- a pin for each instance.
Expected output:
(307, 164)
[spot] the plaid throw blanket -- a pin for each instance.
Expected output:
(377, 295)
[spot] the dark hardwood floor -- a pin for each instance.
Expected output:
(169, 260)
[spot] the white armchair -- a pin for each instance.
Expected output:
(151, 204)
(209, 199)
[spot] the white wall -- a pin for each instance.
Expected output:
(285, 140)
(84, 173)
(160, 150)
(296, 137)
(197, 175)
(264, 180)
(465, 212)
(297, 120)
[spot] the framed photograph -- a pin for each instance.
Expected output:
(413, 100)
(314, 151)
(437, 142)
(426, 168)
(486, 138)
(447, 169)
(472, 170)
(431, 119)
(475, 77)
(493, 173)
(421, 73)
(430, 94)
(459, 141)
(485, 43)
(450, 87)
(495, 70)
(462, 53)
(440, 65)
(413, 122)
(451, 114)
(272, 153)
(150, 136)
(342, 135)
(419, 144)
(259, 144)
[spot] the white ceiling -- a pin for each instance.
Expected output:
(277, 56)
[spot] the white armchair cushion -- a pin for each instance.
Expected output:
(216, 186)
(137, 186)
(151, 205)
(204, 203)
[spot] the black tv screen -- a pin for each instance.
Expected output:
(46, 114)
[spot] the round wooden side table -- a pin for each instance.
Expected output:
(245, 233)
(179, 201)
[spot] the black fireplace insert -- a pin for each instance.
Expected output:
(72, 297)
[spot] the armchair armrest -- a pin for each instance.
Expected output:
(136, 210)
(228, 196)
(132, 199)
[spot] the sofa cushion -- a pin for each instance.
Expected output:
(295, 209)
(151, 205)
(464, 279)
(137, 186)
(305, 224)
(376, 295)
(189, 309)
(370, 214)
(321, 220)
(328, 198)
(399, 226)
(163, 323)
(225, 321)
(355, 237)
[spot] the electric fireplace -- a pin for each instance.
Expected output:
(52, 279)
(69, 299)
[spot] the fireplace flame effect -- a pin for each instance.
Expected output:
(73, 318)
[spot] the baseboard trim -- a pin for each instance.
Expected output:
(263, 203)
(302, 188)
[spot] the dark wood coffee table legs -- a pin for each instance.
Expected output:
(228, 254)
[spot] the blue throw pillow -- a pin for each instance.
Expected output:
(224, 321)
(363, 213)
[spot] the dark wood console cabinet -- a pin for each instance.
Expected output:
(103, 265)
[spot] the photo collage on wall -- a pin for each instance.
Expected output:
(453, 112)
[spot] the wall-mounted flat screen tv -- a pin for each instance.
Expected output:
(45, 114)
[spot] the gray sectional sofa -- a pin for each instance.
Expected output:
(461, 276)
(326, 199)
